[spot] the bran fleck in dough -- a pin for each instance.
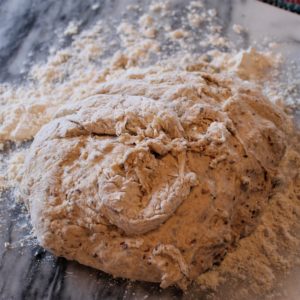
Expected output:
(157, 176)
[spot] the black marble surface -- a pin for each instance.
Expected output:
(27, 29)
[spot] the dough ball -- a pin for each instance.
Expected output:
(156, 177)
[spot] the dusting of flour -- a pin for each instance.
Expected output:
(95, 64)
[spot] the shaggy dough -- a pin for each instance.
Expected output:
(156, 177)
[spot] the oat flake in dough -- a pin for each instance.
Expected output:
(157, 176)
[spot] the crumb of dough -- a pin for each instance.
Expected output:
(217, 40)
(195, 20)
(72, 29)
(159, 7)
(146, 20)
(147, 28)
(238, 28)
(178, 34)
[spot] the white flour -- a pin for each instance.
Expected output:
(84, 69)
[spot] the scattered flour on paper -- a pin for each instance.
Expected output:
(89, 67)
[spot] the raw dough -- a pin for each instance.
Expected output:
(156, 177)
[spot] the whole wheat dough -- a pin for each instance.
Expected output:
(157, 176)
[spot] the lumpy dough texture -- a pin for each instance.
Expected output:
(157, 176)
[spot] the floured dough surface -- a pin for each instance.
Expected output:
(157, 176)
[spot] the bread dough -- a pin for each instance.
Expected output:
(157, 176)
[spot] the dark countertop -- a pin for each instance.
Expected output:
(29, 26)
